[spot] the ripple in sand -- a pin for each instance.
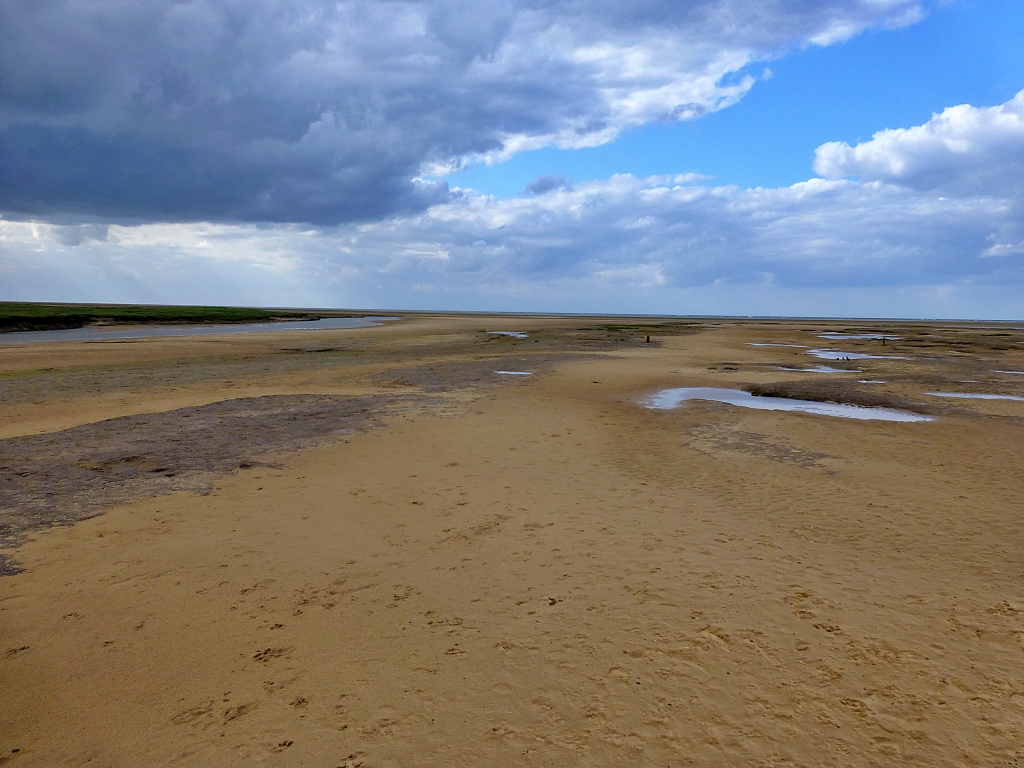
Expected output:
(836, 335)
(821, 369)
(673, 398)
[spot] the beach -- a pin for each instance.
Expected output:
(366, 547)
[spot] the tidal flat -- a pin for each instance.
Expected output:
(388, 546)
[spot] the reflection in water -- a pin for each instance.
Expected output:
(515, 373)
(95, 334)
(672, 398)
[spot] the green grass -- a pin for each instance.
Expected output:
(21, 316)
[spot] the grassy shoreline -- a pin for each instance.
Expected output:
(28, 316)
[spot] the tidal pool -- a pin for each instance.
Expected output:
(975, 396)
(773, 344)
(1013, 373)
(835, 354)
(513, 334)
(673, 398)
(515, 373)
(95, 334)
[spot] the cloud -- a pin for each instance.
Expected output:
(623, 244)
(962, 150)
(547, 183)
(329, 111)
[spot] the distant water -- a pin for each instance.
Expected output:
(672, 398)
(513, 334)
(93, 333)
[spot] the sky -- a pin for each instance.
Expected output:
(856, 158)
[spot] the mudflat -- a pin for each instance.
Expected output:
(366, 547)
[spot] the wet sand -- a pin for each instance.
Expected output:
(454, 567)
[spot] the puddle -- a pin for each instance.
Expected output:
(836, 335)
(94, 334)
(672, 398)
(513, 334)
(820, 369)
(772, 344)
(1014, 373)
(835, 354)
(515, 373)
(975, 396)
(870, 381)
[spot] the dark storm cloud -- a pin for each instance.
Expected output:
(308, 110)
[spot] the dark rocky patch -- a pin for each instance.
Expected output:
(471, 374)
(67, 476)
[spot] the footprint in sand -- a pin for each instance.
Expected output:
(267, 654)
(355, 760)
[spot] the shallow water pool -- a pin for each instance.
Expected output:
(515, 373)
(835, 354)
(673, 398)
(513, 334)
(975, 396)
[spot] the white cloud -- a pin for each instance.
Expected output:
(327, 110)
(962, 150)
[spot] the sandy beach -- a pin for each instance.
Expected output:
(364, 547)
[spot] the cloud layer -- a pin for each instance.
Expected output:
(629, 245)
(326, 112)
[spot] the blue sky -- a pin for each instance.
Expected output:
(300, 153)
(968, 52)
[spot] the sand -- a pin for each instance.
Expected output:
(513, 570)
